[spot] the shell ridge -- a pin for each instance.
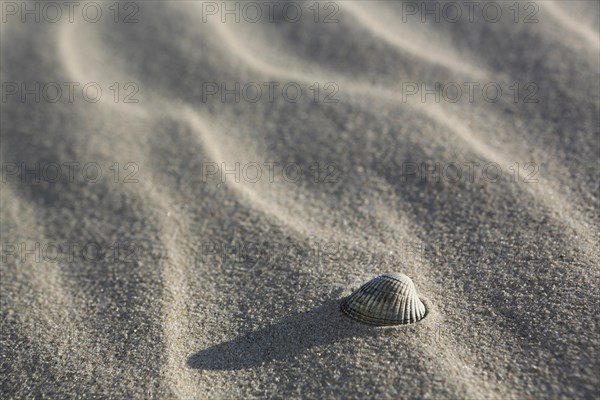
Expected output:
(389, 299)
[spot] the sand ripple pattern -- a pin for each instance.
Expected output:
(508, 269)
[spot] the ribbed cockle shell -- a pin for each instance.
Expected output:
(389, 299)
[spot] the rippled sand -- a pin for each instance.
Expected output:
(185, 280)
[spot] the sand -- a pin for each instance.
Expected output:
(169, 248)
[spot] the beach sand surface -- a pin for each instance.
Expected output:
(171, 275)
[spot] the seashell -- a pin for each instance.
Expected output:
(389, 299)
